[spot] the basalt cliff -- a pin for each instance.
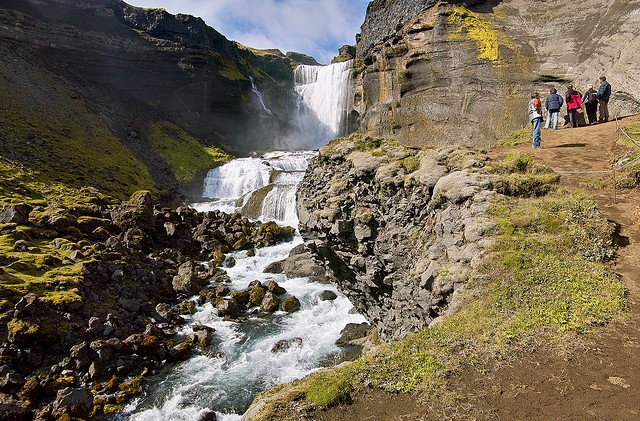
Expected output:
(462, 71)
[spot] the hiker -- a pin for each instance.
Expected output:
(590, 101)
(535, 117)
(604, 93)
(553, 103)
(574, 103)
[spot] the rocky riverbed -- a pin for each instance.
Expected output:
(81, 342)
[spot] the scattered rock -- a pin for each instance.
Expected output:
(284, 345)
(72, 402)
(327, 295)
(291, 305)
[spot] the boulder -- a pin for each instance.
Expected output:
(284, 345)
(73, 402)
(327, 295)
(228, 308)
(203, 335)
(273, 287)
(291, 305)
(256, 295)
(270, 303)
(15, 214)
(353, 331)
(187, 280)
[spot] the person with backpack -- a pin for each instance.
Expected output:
(590, 101)
(574, 103)
(553, 103)
(604, 93)
(535, 117)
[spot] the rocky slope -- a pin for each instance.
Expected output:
(122, 70)
(461, 71)
(400, 229)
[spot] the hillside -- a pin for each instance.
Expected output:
(101, 93)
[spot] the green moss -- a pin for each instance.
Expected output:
(184, 154)
(481, 31)
(111, 409)
(521, 176)
(329, 388)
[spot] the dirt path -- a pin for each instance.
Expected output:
(602, 380)
(599, 379)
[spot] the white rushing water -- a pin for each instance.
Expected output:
(239, 363)
(324, 102)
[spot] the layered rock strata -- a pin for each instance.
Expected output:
(400, 229)
(436, 73)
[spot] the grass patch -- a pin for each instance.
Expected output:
(515, 138)
(184, 153)
(545, 276)
(629, 176)
(521, 176)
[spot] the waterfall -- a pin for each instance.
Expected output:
(262, 188)
(255, 90)
(323, 102)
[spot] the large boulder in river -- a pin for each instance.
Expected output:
(291, 305)
(187, 280)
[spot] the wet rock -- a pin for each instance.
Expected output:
(73, 402)
(203, 335)
(180, 352)
(228, 308)
(291, 305)
(328, 295)
(256, 295)
(208, 415)
(273, 287)
(270, 303)
(222, 290)
(284, 345)
(241, 297)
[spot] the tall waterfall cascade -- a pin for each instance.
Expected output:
(324, 102)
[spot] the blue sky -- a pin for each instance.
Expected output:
(314, 27)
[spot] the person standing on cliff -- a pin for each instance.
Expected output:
(604, 93)
(553, 103)
(574, 103)
(535, 117)
(590, 101)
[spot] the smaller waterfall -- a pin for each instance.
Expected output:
(261, 188)
(255, 90)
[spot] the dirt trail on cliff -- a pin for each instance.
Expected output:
(595, 379)
(599, 380)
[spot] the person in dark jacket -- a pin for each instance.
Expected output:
(574, 103)
(553, 103)
(604, 93)
(590, 101)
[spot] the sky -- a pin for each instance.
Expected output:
(313, 27)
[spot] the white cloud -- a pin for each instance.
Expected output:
(314, 27)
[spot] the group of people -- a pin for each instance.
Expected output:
(591, 100)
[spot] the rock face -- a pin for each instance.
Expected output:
(461, 71)
(400, 229)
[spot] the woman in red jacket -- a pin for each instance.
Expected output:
(574, 103)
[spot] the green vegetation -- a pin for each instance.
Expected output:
(544, 277)
(629, 176)
(515, 138)
(69, 145)
(184, 154)
(521, 176)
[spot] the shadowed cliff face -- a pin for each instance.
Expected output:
(135, 65)
(461, 72)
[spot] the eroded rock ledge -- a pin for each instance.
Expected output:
(400, 229)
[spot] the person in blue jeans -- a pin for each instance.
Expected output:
(535, 117)
(604, 93)
(553, 103)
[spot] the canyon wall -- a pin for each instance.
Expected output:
(462, 71)
(400, 229)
